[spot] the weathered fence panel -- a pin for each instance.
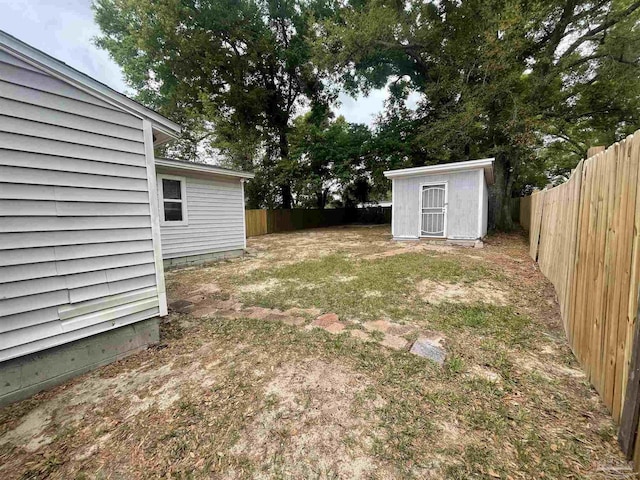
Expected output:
(261, 222)
(525, 213)
(256, 222)
(585, 235)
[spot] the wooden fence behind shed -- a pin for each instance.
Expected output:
(585, 235)
(261, 222)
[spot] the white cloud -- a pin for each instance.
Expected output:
(365, 109)
(65, 31)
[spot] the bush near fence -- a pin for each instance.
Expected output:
(261, 222)
(585, 236)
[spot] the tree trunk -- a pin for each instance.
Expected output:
(321, 198)
(285, 185)
(500, 195)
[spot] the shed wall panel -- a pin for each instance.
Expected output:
(462, 209)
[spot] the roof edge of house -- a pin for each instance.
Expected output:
(68, 74)
(202, 168)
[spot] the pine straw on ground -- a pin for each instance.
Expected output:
(254, 398)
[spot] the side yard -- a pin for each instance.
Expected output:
(294, 362)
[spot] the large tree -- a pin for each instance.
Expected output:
(330, 156)
(499, 78)
(219, 67)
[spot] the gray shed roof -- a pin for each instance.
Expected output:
(485, 163)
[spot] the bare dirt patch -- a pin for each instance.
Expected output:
(310, 408)
(468, 293)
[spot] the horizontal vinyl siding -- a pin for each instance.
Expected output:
(215, 213)
(462, 209)
(76, 250)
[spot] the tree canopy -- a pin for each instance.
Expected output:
(533, 84)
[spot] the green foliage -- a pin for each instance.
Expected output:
(233, 72)
(329, 156)
(532, 83)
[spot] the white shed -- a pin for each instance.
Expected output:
(448, 201)
(201, 211)
(81, 273)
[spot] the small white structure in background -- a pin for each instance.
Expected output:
(448, 201)
(201, 211)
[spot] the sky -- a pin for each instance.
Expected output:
(64, 29)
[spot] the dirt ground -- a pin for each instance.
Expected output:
(295, 362)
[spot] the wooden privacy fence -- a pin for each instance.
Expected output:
(261, 222)
(585, 235)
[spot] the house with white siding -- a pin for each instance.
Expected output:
(441, 202)
(81, 229)
(201, 211)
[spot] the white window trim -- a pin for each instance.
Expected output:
(183, 201)
(446, 208)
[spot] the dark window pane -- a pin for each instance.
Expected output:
(171, 189)
(172, 211)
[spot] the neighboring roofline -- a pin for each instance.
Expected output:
(201, 168)
(485, 163)
(64, 72)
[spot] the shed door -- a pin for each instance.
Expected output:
(433, 210)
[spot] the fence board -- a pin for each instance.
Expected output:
(525, 213)
(585, 236)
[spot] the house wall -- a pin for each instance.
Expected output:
(215, 211)
(76, 243)
(462, 210)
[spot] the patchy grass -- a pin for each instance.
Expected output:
(352, 287)
(249, 398)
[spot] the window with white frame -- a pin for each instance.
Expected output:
(173, 200)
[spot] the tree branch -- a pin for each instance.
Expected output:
(593, 33)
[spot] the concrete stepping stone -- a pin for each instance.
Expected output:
(394, 342)
(430, 348)
(259, 313)
(386, 326)
(329, 322)
(400, 330)
(377, 325)
(336, 327)
(360, 335)
(325, 320)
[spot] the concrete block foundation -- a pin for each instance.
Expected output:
(200, 259)
(25, 376)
